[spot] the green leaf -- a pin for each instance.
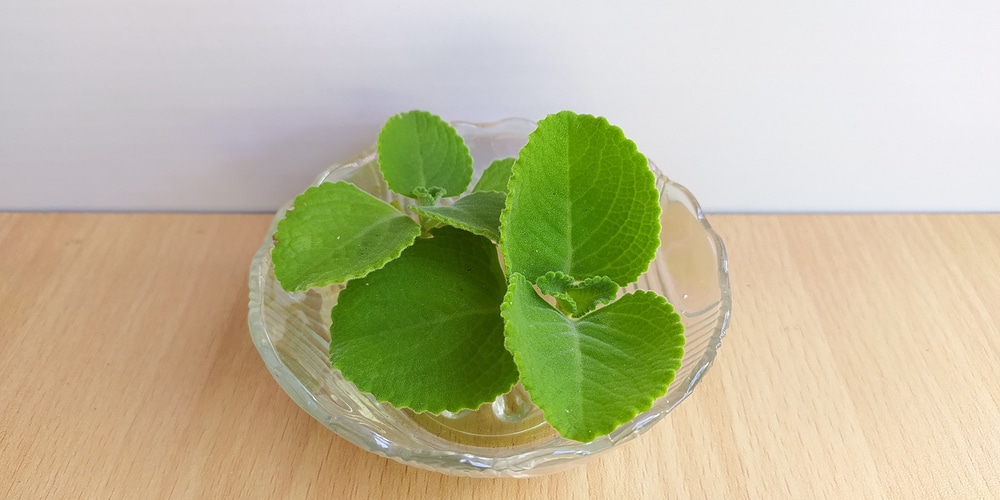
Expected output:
(496, 176)
(577, 298)
(428, 196)
(420, 150)
(336, 232)
(592, 375)
(582, 201)
(477, 213)
(425, 332)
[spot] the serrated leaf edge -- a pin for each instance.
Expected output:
(636, 410)
(559, 296)
(634, 149)
(578, 314)
(466, 172)
(407, 402)
(321, 284)
(423, 211)
(475, 187)
(453, 223)
(649, 185)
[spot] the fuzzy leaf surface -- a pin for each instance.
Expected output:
(478, 213)
(428, 196)
(417, 149)
(591, 375)
(496, 176)
(425, 331)
(577, 297)
(582, 201)
(336, 232)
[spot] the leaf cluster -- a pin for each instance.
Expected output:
(430, 319)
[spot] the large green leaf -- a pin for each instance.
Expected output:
(582, 201)
(425, 332)
(496, 176)
(478, 213)
(336, 232)
(420, 150)
(593, 374)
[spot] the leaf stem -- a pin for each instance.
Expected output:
(426, 224)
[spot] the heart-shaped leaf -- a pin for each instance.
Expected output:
(336, 232)
(593, 374)
(417, 149)
(425, 332)
(577, 298)
(582, 201)
(496, 176)
(477, 213)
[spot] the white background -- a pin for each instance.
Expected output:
(782, 105)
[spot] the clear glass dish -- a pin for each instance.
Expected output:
(508, 437)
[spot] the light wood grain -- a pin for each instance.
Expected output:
(861, 363)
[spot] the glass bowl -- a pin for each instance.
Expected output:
(509, 437)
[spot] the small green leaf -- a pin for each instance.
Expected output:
(582, 201)
(420, 150)
(577, 298)
(336, 232)
(496, 176)
(425, 332)
(555, 285)
(591, 375)
(477, 213)
(428, 196)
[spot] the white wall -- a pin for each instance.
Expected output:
(781, 105)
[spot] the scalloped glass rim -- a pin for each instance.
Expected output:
(291, 333)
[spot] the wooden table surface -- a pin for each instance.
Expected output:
(862, 362)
